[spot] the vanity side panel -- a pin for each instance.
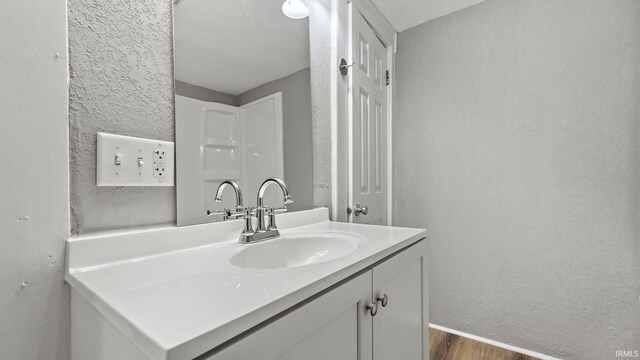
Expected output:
(93, 337)
(425, 300)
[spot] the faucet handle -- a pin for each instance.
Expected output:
(226, 213)
(239, 213)
(251, 211)
(248, 224)
(277, 211)
(272, 219)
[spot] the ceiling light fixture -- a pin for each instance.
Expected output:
(295, 9)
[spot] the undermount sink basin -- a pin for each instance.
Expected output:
(295, 250)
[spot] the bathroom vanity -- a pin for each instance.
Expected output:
(322, 290)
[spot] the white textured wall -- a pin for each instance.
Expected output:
(121, 82)
(517, 145)
(320, 48)
(34, 181)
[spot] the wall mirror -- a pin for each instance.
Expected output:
(243, 105)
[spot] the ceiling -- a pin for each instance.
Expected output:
(405, 14)
(235, 46)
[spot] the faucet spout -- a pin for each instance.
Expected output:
(263, 188)
(236, 189)
(260, 211)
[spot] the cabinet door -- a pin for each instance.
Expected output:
(335, 325)
(401, 328)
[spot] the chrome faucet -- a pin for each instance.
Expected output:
(261, 210)
(236, 189)
(227, 214)
(263, 232)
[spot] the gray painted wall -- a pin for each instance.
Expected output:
(34, 181)
(297, 133)
(121, 82)
(516, 144)
(204, 94)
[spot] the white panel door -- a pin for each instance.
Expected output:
(261, 128)
(208, 152)
(368, 104)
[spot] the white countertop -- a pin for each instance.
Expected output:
(173, 292)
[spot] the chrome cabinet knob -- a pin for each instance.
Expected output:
(373, 308)
(357, 210)
(383, 300)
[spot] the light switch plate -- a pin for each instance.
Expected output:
(132, 161)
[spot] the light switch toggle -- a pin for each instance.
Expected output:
(140, 161)
(118, 159)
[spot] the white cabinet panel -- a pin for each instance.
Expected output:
(400, 329)
(327, 343)
(332, 326)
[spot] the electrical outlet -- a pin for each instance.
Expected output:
(159, 163)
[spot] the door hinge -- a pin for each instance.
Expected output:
(388, 78)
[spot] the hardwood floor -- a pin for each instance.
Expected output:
(445, 346)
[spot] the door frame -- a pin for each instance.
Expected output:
(341, 118)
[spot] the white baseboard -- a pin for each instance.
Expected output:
(494, 343)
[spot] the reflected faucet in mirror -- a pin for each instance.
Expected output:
(228, 213)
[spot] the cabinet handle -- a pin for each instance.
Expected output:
(373, 308)
(384, 300)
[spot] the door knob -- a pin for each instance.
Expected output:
(383, 300)
(373, 308)
(357, 210)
